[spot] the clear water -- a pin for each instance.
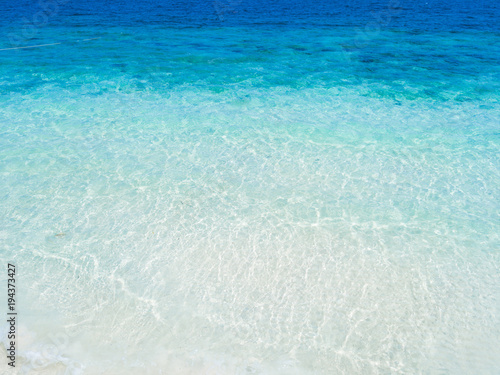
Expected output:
(250, 187)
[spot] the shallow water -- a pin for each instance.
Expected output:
(242, 188)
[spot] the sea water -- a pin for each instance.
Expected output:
(251, 187)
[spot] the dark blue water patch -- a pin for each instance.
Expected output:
(430, 15)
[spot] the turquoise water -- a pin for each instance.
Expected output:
(241, 188)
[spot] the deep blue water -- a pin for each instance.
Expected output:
(413, 16)
(264, 187)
